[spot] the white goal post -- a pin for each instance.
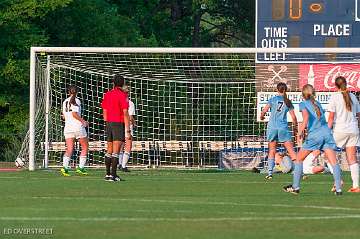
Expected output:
(190, 56)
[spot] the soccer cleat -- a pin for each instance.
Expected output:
(305, 177)
(108, 178)
(333, 189)
(116, 178)
(81, 171)
(126, 170)
(338, 193)
(65, 172)
(269, 177)
(354, 190)
(290, 189)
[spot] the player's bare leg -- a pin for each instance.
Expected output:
(354, 168)
(67, 156)
(289, 146)
(84, 143)
(126, 155)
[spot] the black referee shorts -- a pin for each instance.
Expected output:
(115, 131)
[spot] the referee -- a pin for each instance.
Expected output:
(115, 106)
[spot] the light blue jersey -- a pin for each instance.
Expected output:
(279, 110)
(278, 129)
(319, 134)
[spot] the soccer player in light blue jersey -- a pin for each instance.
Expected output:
(319, 136)
(277, 129)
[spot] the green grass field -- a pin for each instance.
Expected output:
(175, 204)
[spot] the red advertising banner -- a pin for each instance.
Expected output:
(323, 76)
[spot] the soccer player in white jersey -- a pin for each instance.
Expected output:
(124, 156)
(344, 111)
(74, 129)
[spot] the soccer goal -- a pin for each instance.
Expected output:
(192, 104)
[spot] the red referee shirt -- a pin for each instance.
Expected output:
(114, 102)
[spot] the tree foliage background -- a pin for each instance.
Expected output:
(112, 23)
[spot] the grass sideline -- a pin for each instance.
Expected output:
(175, 204)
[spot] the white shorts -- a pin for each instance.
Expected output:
(77, 134)
(308, 165)
(344, 140)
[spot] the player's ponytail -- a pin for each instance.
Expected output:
(308, 92)
(72, 90)
(282, 88)
(340, 83)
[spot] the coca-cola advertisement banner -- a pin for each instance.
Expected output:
(323, 76)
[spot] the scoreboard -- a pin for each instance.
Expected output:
(306, 23)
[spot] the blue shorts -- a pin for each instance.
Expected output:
(278, 135)
(319, 140)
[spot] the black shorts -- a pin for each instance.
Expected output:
(115, 131)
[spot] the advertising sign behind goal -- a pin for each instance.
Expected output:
(295, 97)
(269, 75)
(323, 76)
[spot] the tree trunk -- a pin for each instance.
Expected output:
(196, 30)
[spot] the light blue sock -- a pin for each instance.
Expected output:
(298, 171)
(337, 177)
(271, 165)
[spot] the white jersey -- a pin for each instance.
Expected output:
(344, 121)
(131, 108)
(131, 111)
(71, 124)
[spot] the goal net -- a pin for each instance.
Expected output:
(192, 105)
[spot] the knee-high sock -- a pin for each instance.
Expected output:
(108, 163)
(121, 155)
(271, 165)
(66, 161)
(354, 169)
(298, 171)
(114, 164)
(330, 168)
(82, 161)
(125, 159)
(337, 177)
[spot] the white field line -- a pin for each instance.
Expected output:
(174, 180)
(199, 202)
(181, 219)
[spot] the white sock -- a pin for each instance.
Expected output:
(121, 155)
(330, 168)
(125, 159)
(354, 169)
(66, 161)
(82, 161)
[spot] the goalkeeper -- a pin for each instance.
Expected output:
(283, 163)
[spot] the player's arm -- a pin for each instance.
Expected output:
(127, 123)
(103, 106)
(105, 115)
(132, 120)
(331, 108)
(331, 119)
(79, 118)
(294, 121)
(263, 112)
(301, 133)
